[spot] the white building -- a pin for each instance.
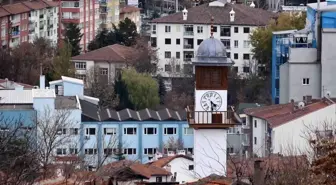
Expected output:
(179, 35)
(285, 128)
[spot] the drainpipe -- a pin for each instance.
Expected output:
(319, 40)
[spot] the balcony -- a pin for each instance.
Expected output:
(15, 33)
(209, 119)
(188, 33)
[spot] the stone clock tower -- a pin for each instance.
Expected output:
(209, 117)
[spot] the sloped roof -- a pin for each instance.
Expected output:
(129, 9)
(113, 53)
(4, 83)
(3, 12)
(16, 8)
(244, 15)
(165, 160)
(35, 5)
(243, 106)
(277, 115)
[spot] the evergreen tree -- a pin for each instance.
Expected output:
(162, 90)
(62, 65)
(73, 36)
(101, 40)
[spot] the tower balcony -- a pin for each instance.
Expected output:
(210, 119)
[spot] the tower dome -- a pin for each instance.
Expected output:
(211, 47)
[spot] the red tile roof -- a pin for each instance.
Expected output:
(165, 160)
(113, 53)
(129, 9)
(51, 3)
(71, 158)
(16, 8)
(35, 5)
(277, 115)
(244, 15)
(212, 180)
(3, 12)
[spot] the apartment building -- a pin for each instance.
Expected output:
(109, 13)
(23, 21)
(133, 13)
(178, 36)
(299, 66)
(86, 14)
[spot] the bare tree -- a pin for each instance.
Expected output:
(176, 101)
(173, 144)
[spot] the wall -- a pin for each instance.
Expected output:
(177, 32)
(14, 117)
(291, 138)
(328, 62)
(209, 143)
(181, 165)
(72, 89)
(284, 83)
(259, 132)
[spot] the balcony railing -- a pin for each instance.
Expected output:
(15, 33)
(209, 117)
(189, 46)
(188, 33)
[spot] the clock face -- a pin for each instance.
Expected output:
(211, 101)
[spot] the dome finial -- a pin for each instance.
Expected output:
(212, 27)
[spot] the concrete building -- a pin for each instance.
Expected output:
(86, 14)
(285, 128)
(110, 60)
(178, 36)
(299, 66)
(133, 13)
(23, 21)
(109, 13)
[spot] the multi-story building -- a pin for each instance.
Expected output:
(133, 13)
(109, 13)
(299, 66)
(179, 35)
(86, 14)
(288, 128)
(23, 21)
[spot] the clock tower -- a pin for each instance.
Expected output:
(209, 117)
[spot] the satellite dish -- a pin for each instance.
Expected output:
(328, 94)
(301, 105)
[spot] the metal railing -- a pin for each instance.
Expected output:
(188, 33)
(188, 47)
(209, 117)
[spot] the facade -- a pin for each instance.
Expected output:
(286, 128)
(110, 60)
(133, 13)
(300, 49)
(178, 36)
(109, 13)
(23, 21)
(86, 14)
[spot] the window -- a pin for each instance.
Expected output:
(226, 43)
(247, 43)
(110, 131)
(246, 29)
(61, 131)
(255, 140)
(153, 42)
(90, 131)
(305, 81)
(233, 130)
(149, 151)
(230, 150)
(225, 31)
(235, 56)
(178, 55)
(188, 131)
(60, 151)
(167, 41)
(74, 131)
(199, 41)
(90, 151)
(228, 54)
(130, 151)
(110, 151)
(246, 69)
(154, 29)
(189, 150)
(167, 54)
(80, 65)
(168, 68)
(178, 41)
(158, 179)
(236, 29)
(167, 29)
(103, 71)
(235, 69)
(246, 56)
(169, 131)
(236, 43)
(73, 150)
(255, 123)
(191, 167)
(214, 29)
(130, 131)
(150, 131)
(199, 29)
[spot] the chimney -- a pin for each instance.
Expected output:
(292, 105)
(42, 82)
(258, 173)
(185, 14)
(232, 15)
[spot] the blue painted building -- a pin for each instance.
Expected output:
(283, 42)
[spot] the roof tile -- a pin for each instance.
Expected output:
(129, 9)
(16, 8)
